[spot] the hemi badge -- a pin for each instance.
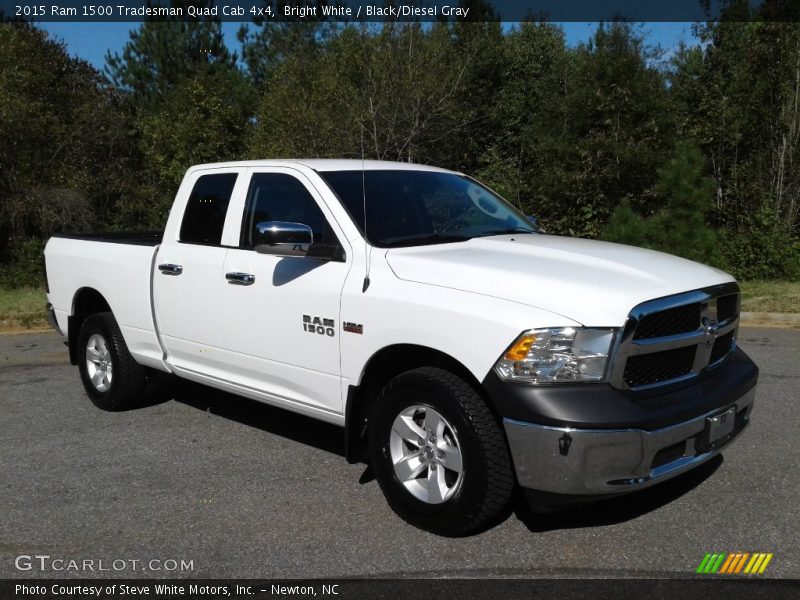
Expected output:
(353, 327)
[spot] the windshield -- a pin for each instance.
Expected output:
(411, 208)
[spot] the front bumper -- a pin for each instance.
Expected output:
(593, 440)
(596, 461)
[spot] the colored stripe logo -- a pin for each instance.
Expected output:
(735, 563)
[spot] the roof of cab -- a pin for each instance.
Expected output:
(325, 164)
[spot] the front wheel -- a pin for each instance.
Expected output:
(112, 378)
(439, 454)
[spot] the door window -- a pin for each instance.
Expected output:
(205, 212)
(281, 197)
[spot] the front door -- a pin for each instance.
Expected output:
(282, 326)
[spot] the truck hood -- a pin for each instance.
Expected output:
(593, 283)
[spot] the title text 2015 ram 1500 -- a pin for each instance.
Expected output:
(463, 351)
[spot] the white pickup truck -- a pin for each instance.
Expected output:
(464, 351)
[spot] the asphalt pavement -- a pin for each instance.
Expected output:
(233, 488)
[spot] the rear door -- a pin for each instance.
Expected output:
(283, 329)
(189, 285)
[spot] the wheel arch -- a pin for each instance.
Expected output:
(86, 302)
(382, 366)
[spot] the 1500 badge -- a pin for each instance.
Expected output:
(319, 325)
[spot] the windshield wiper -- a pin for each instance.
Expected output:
(518, 229)
(422, 239)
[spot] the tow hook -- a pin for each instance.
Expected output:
(563, 444)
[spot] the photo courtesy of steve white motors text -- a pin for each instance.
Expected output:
(173, 589)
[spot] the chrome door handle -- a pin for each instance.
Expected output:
(170, 269)
(240, 278)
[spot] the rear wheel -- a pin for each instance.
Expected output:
(112, 378)
(439, 454)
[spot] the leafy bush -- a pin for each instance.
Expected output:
(25, 268)
(764, 250)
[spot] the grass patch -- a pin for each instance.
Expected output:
(771, 296)
(22, 307)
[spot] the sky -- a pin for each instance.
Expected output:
(91, 41)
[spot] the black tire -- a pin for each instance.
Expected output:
(125, 390)
(487, 480)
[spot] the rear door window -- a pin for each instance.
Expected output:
(204, 217)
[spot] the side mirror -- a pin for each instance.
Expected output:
(282, 238)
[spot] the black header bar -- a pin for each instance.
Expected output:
(393, 10)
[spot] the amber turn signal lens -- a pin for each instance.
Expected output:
(520, 350)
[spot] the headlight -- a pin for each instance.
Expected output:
(557, 354)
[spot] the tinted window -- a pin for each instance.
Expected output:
(280, 197)
(420, 207)
(205, 212)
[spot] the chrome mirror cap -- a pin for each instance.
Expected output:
(283, 238)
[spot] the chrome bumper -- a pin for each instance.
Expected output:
(599, 461)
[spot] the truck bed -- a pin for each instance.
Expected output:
(119, 266)
(136, 238)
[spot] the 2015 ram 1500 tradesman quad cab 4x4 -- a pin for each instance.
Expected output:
(463, 350)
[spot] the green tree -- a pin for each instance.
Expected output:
(620, 118)
(578, 130)
(196, 124)
(189, 100)
(740, 104)
(737, 98)
(266, 45)
(311, 106)
(481, 42)
(161, 54)
(392, 94)
(530, 141)
(626, 227)
(680, 226)
(64, 145)
(576, 135)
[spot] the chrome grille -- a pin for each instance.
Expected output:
(676, 338)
